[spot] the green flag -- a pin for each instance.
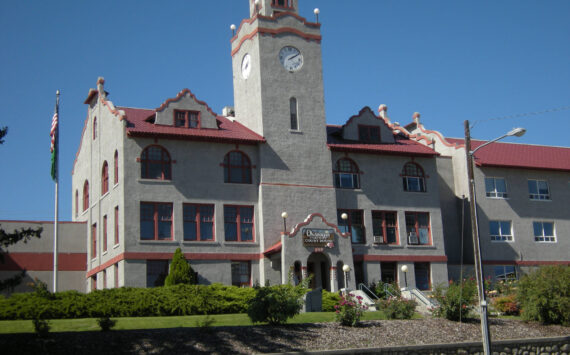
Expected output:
(54, 144)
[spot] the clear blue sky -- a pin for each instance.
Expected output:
(449, 60)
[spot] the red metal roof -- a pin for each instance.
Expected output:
(139, 125)
(402, 145)
(514, 155)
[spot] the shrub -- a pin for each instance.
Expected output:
(456, 300)
(329, 299)
(41, 327)
(507, 305)
(397, 307)
(276, 304)
(106, 323)
(544, 295)
(349, 310)
(180, 271)
(380, 290)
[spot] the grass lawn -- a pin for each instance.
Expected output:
(90, 324)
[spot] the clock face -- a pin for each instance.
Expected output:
(246, 66)
(291, 58)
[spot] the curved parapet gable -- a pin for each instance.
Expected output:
(309, 220)
(186, 101)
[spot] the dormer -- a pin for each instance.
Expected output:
(271, 7)
(367, 128)
(185, 111)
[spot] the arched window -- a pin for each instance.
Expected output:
(94, 127)
(105, 178)
(116, 172)
(155, 163)
(413, 178)
(346, 175)
(85, 195)
(237, 168)
(293, 111)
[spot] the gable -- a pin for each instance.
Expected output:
(185, 104)
(367, 125)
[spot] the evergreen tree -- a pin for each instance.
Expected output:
(180, 271)
(7, 239)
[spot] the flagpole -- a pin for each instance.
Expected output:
(55, 224)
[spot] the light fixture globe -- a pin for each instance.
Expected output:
(317, 11)
(344, 216)
(284, 215)
(232, 27)
(346, 268)
(404, 268)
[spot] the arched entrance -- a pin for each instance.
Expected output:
(318, 266)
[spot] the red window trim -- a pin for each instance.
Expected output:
(238, 223)
(349, 212)
(156, 221)
(94, 240)
(416, 226)
(105, 178)
(93, 282)
(116, 166)
(288, 4)
(166, 165)
(384, 225)
(422, 175)
(85, 195)
(369, 128)
(198, 219)
(104, 233)
(242, 168)
(116, 225)
(353, 165)
(187, 118)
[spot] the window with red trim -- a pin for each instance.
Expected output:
(85, 195)
(237, 168)
(188, 119)
(94, 128)
(385, 226)
(241, 273)
(354, 225)
(94, 240)
(413, 178)
(105, 179)
(93, 282)
(282, 3)
(116, 165)
(155, 163)
(104, 233)
(238, 223)
(198, 222)
(156, 221)
(369, 134)
(116, 225)
(346, 175)
(418, 228)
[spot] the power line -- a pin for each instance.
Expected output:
(518, 115)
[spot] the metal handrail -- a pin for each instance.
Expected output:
(423, 298)
(389, 290)
(362, 287)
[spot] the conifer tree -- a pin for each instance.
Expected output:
(180, 271)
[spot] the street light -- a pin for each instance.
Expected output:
(518, 132)
(346, 269)
(404, 269)
(284, 215)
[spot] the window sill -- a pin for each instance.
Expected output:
(414, 246)
(172, 242)
(540, 199)
(496, 198)
(154, 181)
(115, 185)
(295, 131)
(386, 246)
(104, 195)
(502, 241)
(252, 243)
(116, 246)
(202, 242)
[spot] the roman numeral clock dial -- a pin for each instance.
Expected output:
(291, 58)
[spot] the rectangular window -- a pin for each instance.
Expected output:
(293, 110)
(388, 272)
(94, 240)
(116, 269)
(156, 272)
(385, 227)
(116, 225)
(238, 223)
(104, 233)
(505, 272)
(241, 272)
(422, 274)
(156, 221)
(418, 228)
(369, 134)
(188, 119)
(538, 190)
(282, 3)
(496, 187)
(198, 222)
(93, 282)
(501, 231)
(104, 279)
(353, 224)
(544, 232)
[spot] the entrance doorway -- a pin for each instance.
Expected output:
(318, 266)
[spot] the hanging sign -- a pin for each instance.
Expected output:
(313, 237)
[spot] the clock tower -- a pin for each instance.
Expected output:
(278, 93)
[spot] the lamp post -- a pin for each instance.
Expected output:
(316, 12)
(475, 230)
(284, 215)
(346, 269)
(404, 269)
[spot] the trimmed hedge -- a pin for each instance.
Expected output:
(128, 302)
